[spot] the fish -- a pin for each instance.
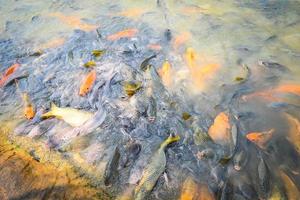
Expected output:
(200, 74)
(8, 72)
(189, 190)
(260, 138)
(71, 116)
(87, 83)
(155, 47)
(165, 74)
(154, 169)
(263, 178)
(53, 43)
(133, 12)
(273, 65)
(73, 21)
(244, 74)
(29, 110)
(144, 65)
(127, 33)
(294, 131)
(89, 64)
(98, 53)
(131, 87)
(152, 109)
(270, 95)
(220, 130)
(181, 39)
(290, 187)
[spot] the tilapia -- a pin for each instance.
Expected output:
(153, 170)
(73, 117)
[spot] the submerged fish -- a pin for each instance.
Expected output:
(73, 21)
(260, 138)
(291, 189)
(89, 64)
(8, 73)
(153, 170)
(71, 116)
(87, 83)
(294, 131)
(127, 33)
(165, 74)
(189, 190)
(244, 74)
(29, 111)
(263, 178)
(181, 39)
(220, 130)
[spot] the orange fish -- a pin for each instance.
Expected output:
(8, 73)
(56, 42)
(194, 191)
(270, 95)
(260, 138)
(200, 74)
(181, 39)
(87, 83)
(219, 131)
(134, 12)
(29, 111)
(73, 21)
(127, 33)
(155, 47)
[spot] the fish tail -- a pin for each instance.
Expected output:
(52, 111)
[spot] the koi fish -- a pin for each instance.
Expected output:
(294, 132)
(87, 83)
(73, 21)
(155, 47)
(127, 33)
(181, 39)
(219, 131)
(8, 73)
(260, 138)
(29, 111)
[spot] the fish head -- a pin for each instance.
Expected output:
(253, 137)
(29, 112)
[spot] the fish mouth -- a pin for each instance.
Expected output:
(237, 167)
(151, 119)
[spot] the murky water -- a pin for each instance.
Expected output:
(224, 78)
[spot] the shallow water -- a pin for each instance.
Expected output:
(232, 64)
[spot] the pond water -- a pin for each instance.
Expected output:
(219, 79)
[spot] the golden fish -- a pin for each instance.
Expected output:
(165, 74)
(71, 116)
(189, 190)
(294, 131)
(98, 53)
(154, 170)
(131, 87)
(291, 189)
